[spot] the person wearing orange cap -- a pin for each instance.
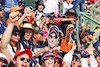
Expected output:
(21, 57)
(13, 9)
(67, 42)
(7, 4)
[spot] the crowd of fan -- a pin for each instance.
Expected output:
(33, 33)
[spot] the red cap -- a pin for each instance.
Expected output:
(28, 51)
(3, 58)
(58, 56)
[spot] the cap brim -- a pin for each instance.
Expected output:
(60, 59)
(19, 52)
(48, 55)
(44, 33)
(77, 55)
(70, 27)
(28, 52)
(4, 59)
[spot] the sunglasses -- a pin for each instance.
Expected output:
(58, 62)
(17, 34)
(47, 58)
(76, 59)
(1, 9)
(4, 65)
(41, 34)
(21, 3)
(23, 58)
(0, 39)
(55, 37)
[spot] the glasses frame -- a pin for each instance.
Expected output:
(47, 58)
(15, 34)
(23, 58)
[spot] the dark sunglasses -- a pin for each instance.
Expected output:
(47, 58)
(58, 62)
(41, 34)
(0, 39)
(16, 34)
(23, 58)
(76, 59)
(1, 9)
(55, 37)
(4, 65)
(21, 3)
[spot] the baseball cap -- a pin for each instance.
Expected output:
(54, 29)
(58, 56)
(3, 57)
(71, 11)
(19, 52)
(70, 26)
(15, 8)
(46, 54)
(41, 3)
(40, 31)
(77, 55)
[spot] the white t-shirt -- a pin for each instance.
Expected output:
(66, 6)
(15, 48)
(38, 16)
(50, 6)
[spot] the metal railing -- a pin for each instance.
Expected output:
(90, 18)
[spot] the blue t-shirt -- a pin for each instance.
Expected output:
(3, 26)
(7, 4)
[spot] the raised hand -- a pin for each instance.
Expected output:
(14, 16)
(28, 13)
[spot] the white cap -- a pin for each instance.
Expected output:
(3, 57)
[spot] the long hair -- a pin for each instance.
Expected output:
(17, 45)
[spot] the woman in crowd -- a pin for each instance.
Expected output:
(14, 43)
(48, 59)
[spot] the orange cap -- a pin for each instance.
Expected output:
(8, 20)
(70, 26)
(15, 8)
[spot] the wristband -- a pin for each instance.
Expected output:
(89, 43)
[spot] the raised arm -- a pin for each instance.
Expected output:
(27, 13)
(7, 34)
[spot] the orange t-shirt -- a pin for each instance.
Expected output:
(66, 47)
